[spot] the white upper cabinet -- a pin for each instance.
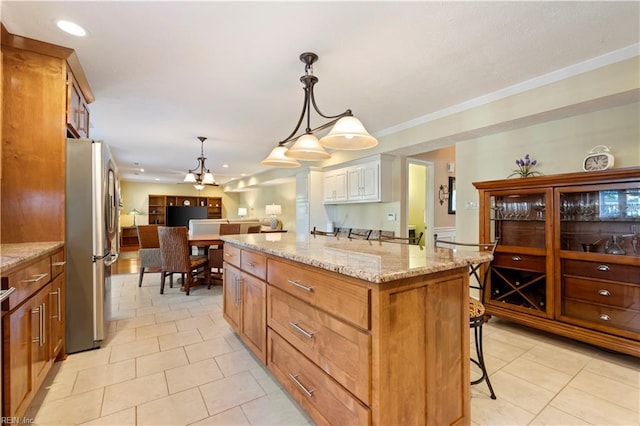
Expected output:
(367, 181)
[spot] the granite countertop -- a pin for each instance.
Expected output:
(13, 255)
(366, 260)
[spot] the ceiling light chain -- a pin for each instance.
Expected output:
(200, 175)
(348, 132)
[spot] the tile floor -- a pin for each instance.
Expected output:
(172, 360)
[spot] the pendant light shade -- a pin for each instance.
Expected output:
(348, 134)
(277, 158)
(190, 178)
(307, 147)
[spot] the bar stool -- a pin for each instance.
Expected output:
(476, 306)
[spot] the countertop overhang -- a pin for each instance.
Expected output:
(367, 260)
(14, 255)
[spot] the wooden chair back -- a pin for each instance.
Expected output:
(254, 229)
(148, 236)
(229, 228)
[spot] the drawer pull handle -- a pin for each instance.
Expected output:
(516, 258)
(307, 334)
(604, 292)
(36, 279)
(603, 268)
(228, 254)
(307, 392)
(300, 286)
(59, 263)
(605, 317)
(251, 264)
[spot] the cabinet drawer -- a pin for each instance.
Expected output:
(324, 291)
(254, 263)
(625, 296)
(520, 261)
(339, 349)
(57, 263)
(602, 270)
(28, 280)
(603, 316)
(232, 255)
(321, 397)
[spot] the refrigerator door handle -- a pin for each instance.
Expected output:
(113, 258)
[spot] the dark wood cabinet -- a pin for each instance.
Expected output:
(159, 203)
(568, 259)
(129, 238)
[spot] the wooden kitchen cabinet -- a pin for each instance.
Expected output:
(568, 258)
(244, 297)
(77, 109)
(158, 203)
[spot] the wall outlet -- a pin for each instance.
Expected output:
(471, 205)
(391, 217)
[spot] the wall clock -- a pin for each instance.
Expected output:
(599, 158)
(186, 203)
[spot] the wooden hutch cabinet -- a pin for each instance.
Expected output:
(158, 204)
(568, 258)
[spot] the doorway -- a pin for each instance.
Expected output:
(420, 198)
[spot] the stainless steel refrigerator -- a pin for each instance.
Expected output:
(92, 241)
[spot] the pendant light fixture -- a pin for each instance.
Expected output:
(200, 175)
(347, 134)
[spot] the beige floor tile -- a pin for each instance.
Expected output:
(160, 361)
(265, 379)
(121, 315)
(152, 310)
(55, 386)
(193, 375)
(134, 349)
(184, 303)
(541, 375)
(230, 392)
(235, 362)
(104, 375)
(592, 409)
(521, 393)
(558, 358)
(154, 330)
(178, 409)
(551, 416)
(119, 337)
(622, 369)
(194, 322)
(499, 349)
(172, 315)
(134, 304)
(218, 329)
(136, 322)
(170, 341)
(121, 418)
(133, 392)
(607, 389)
(235, 342)
(71, 410)
(489, 412)
(88, 359)
(208, 349)
(274, 409)
(234, 416)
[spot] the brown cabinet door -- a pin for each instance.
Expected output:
(17, 369)
(40, 352)
(254, 316)
(231, 296)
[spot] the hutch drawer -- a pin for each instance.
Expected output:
(520, 261)
(626, 296)
(602, 316)
(602, 270)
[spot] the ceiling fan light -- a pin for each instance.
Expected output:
(307, 148)
(190, 177)
(208, 178)
(277, 158)
(348, 134)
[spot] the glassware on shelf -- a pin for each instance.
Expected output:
(539, 207)
(614, 245)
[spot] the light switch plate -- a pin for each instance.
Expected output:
(391, 217)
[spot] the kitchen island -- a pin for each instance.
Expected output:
(358, 332)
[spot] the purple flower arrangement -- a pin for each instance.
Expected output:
(525, 167)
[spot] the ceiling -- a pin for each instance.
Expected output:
(164, 73)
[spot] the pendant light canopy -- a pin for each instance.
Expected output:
(347, 134)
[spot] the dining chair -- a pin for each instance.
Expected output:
(149, 253)
(216, 252)
(176, 258)
(480, 273)
(254, 229)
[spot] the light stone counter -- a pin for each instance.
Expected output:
(367, 260)
(14, 255)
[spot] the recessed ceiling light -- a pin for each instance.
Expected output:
(225, 166)
(141, 169)
(71, 28)
(157, 178)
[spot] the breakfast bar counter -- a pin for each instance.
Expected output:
(358, 332)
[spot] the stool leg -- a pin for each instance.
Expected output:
(477, 332)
